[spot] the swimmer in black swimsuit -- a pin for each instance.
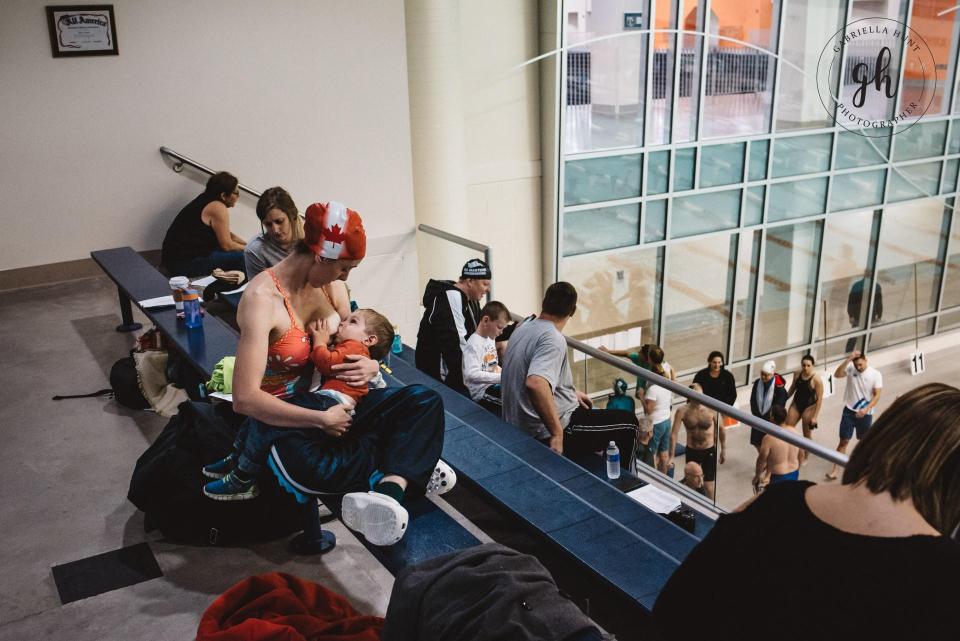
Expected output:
(808, 390)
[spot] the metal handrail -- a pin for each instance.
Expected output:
(465, 242)
(727, 410)
(182, 160)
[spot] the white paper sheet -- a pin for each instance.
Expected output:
(653, 498)
(221, 395)
(203, 282)
(160, 301)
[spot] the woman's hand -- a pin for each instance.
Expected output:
(358, 372)
(336, 421)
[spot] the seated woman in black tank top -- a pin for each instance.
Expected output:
(199, 239)
(871, 558)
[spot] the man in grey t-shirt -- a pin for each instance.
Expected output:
(538, 392)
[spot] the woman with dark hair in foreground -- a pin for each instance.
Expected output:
(869, 559)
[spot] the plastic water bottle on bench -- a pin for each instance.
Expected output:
(613, 461)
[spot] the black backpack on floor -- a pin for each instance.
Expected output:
(167, 485)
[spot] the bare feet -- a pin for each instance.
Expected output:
(832, 475)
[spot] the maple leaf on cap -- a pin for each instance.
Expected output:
(335, 235)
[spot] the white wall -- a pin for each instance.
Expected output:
(476, 127)
(309, 95)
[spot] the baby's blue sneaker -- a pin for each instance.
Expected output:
(221, 468)
(230, 488)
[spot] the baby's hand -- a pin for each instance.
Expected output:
(318, 333)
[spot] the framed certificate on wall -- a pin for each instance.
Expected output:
(82, 30)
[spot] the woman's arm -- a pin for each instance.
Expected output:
(793, 384)
(254, 318)
(818, 388)
(219, 220)
(731, 388)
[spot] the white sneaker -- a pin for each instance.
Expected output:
(442, 480)
(378, 517)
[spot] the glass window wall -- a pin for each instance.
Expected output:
(951, 287)
(786, 291)
(616, 290)
(861, 189)
(846, 271)
(797, 199)
(664, 50)
(606, 79)
(683, 168)
(798, 101)
(696, 300)
(722, 164)
(691, 52)
(854, 150)
(922, 140)
(863, 51)
(599, 179)
(738, 89)
(912, 239)
(748, 257)
(654, 221)
(658, 172)
(598, 229)
(705, 213)
(950, 177)
(753, 206)
(914, 181)
(929, 19)
(801, 155)
(758, 159)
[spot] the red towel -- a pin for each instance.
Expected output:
(282, 607)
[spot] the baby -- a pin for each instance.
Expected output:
(365, 333)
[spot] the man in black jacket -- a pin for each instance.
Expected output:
(452, 310)
(768, 390)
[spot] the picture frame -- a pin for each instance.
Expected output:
(82, 30)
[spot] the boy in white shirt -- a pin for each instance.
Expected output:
(481, 367)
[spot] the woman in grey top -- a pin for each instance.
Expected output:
(282, 228)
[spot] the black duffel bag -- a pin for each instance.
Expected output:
(167, 485)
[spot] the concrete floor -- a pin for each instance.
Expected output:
(65, 468)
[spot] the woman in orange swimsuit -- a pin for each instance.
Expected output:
(391, 445)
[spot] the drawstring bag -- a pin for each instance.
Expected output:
(619, 399)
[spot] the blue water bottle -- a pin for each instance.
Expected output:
(613, 461)
(397, 347)
(191, 309)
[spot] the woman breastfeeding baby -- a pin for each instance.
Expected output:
(376, 446)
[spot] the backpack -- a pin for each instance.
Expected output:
(125, 383)
(167, 485)
(619, 399)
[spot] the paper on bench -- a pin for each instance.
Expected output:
(160, 301)
(655, 499)
(237, 290)
(203, 282)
